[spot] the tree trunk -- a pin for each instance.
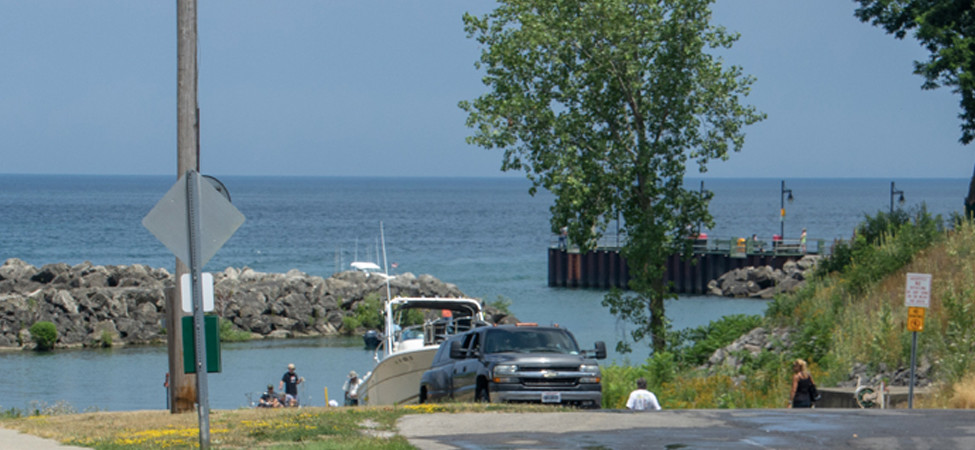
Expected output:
(970, 200)
(658, 324)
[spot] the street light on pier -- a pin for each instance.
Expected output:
(702, 196)
(894, 192)
(782, 206)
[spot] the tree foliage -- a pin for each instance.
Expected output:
(605, 104)
(946, 29)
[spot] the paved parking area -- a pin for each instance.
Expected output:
(691, 429)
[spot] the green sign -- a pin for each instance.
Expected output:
(211, 332)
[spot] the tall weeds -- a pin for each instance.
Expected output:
(851, 313)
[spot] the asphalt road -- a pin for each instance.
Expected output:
(696, 429)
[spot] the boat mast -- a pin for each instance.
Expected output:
(382, 238)
(387, 308)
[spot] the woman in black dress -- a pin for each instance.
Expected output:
(801, 383)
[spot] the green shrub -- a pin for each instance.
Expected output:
(502, 304)
(106, 338)
(618, 381)
(230, 333)
(368, 314)
(45, 334)
(883, 244)
(693, 346)
(838, 260)
(662, 368)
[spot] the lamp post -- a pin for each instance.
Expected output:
(894, 192)
(782, 206)
(702, 196)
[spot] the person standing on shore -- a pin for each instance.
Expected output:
(802, 241)
(351, 388)
(641, 399)
(290, 382)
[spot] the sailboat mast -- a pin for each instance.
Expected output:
(387, 308)
(382, 238)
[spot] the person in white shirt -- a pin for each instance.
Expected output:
(641, 399)
(351, 388)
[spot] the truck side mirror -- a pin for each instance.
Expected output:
(600, 350)
(456, 351)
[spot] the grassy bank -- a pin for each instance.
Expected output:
(368, 428)
(850, 314)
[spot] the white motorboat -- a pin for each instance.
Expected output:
(370, 269)
(407, 350)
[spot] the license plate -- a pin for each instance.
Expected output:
(551, 397)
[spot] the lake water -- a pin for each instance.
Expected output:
(488, 236)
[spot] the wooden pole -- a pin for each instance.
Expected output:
(183, 386)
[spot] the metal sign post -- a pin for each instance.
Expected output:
(910, 390)
(917, 298)
(193, 224)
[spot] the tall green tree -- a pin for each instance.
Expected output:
(946, 29)
(605, 103)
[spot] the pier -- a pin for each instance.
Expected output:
(605, 268)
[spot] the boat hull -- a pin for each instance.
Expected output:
(396, 379)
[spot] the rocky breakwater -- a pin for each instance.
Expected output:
(119, 305)
(763, 282)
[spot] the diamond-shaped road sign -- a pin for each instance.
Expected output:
(219, 219)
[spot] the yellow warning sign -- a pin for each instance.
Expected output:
(915, 318)
(915, 324)
(915, 311)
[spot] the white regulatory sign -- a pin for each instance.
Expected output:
(918, 292)
(185, 287)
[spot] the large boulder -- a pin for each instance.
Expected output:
(51, 272)
(752, 343)
(15, 269)
(763, 282)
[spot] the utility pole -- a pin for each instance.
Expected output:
(183, 386)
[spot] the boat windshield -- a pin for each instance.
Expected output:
(413, 332)
(529, 340)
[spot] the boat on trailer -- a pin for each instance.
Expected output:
(407, 350)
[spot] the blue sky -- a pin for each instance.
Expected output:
(370, 88)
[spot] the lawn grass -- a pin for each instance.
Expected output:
(306, 428)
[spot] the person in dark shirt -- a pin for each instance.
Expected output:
(289, 382)
(801, 383)
(269, 399)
